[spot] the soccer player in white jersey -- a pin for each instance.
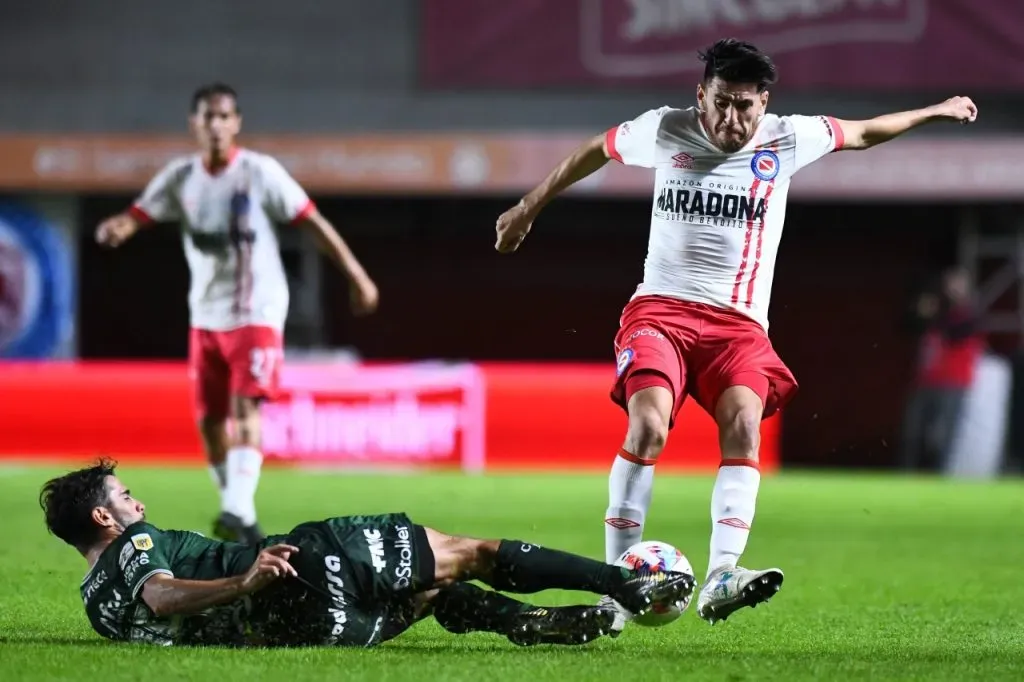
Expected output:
(697, 324)
(227, 200)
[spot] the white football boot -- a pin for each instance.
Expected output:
(622, 616)
(729, 589)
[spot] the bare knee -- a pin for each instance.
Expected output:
(739, 424)
(460, 558)
(649, 415)
(246, 415)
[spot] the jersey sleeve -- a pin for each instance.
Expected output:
(815, 136)
(158, 203)
(144, 553)
(634, 143)
(284, 200)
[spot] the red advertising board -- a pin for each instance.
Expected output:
(834, 44)
(515, 416)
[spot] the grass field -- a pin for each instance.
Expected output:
(886, 579)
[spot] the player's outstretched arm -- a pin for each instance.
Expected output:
(169, 596)
(118, 229)
(867, 134)
(514, 224)
(365, 296)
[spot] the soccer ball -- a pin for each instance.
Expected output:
(657, 556)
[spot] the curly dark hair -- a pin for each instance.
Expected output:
(68, 501)
(204, 93)
(737, 61)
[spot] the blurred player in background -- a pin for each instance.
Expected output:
(697, 324)
(348, 581)
(227, 200)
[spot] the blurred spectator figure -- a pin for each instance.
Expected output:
(950, 346)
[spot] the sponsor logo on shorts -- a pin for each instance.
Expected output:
(336, 586)
(375, 544)
(653, 333)
(624, 361)
(403, 572)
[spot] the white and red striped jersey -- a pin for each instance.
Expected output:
(227, 220)
(717, 218)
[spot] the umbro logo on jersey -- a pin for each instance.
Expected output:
(682, 160)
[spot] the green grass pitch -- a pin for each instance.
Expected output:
(886, 579)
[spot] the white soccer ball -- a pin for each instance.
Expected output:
(654, 555)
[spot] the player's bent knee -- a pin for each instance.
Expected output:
(459, 558)
(741, 433)
(246, 414)
(647, 432)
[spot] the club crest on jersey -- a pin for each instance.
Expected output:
(624, 361)
(765, 165)
(142, 542)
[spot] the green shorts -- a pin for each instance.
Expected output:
(358, 578)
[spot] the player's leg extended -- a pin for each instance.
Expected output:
(244, 461)
(650, 385)
(728, 587)
(516, 566)
(254, 354)
(739, 381)
(463, 607)
(210, 378)
(631, 481)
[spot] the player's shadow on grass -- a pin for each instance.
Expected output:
(487, 645)
(55, 641)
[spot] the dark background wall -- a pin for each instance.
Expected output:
(844, 276)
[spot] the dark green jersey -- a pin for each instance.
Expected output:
(112, 590)
(357, 579)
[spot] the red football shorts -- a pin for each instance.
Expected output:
(241, 362)
(700, 350)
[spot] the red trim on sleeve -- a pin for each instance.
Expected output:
(837, 133)
(609, 141)
(304, 212)
(140, 215)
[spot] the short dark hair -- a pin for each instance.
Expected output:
(205, 92)
(68, 501)
(736, 61)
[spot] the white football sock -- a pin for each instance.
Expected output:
(629, 496)
(243, 478)
(732, 512)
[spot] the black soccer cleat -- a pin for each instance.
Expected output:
(229, 527)
(565, 625)
(645, 589)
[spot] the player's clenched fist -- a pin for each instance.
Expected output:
(960, 109)
(512, 227)
(115, 231)
(271, 564)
